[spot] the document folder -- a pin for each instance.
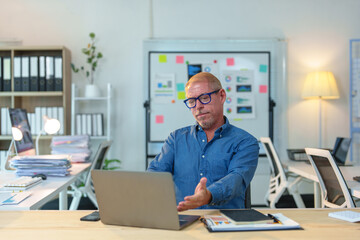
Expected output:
(25, 73)
(219, 223)
(17, 73)
(6, 74)
(34, 73)
(42, 72)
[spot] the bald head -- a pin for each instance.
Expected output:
(214, 83)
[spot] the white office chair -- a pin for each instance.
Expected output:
(334, 191)
(88, 190)
(279, 181)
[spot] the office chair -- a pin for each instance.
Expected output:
(88, 190)
(334, 191)
(248, 197)
(279, 181)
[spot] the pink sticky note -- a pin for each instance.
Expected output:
(159, 119)
(262, 89)
(179, 59)
(230, 62)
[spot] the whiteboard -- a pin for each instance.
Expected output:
(245, 76)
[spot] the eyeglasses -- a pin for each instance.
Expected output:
(203, 98)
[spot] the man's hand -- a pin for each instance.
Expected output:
(202, 196)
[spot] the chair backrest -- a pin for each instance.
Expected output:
(334, 190)
(275, 164)
(98, 160)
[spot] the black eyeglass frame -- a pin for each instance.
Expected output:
(198, 98)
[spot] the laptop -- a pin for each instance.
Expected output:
(339, 152)
(138, 199)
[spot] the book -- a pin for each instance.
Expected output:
(246, 216)
(219, 223)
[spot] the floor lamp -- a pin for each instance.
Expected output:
(320, 85)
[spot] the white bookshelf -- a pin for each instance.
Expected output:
(82, 105)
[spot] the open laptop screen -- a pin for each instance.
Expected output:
(19, 120)
(341, 149)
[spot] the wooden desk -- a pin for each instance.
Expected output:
(66, 225)
(307, 171)
(47, 190)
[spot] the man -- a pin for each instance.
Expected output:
(213, 161)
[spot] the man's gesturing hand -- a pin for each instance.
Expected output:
(202, 196)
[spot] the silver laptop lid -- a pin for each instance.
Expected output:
(140, 199)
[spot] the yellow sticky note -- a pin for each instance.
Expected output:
(181, 95)
(162, 58)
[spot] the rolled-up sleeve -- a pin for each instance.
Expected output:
(240, 172)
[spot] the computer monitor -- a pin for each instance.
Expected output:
(341, 149)
(19, 120)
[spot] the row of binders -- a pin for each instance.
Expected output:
(91, 124)
(32, 73)
(36, 121)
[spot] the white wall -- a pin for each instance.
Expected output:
(318, 34)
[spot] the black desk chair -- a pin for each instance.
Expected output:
(248, 197)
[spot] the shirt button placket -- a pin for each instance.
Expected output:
(202, 164)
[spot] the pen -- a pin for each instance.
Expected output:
(276, 220)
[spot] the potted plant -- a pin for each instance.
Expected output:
(92, 58)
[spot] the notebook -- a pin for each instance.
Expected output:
(138, 199)
(246, 216)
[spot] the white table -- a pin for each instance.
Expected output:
(306, 170)
(47, 190)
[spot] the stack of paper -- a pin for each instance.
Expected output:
(50, 165)
(76, 146)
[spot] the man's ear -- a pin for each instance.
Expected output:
(222, 95)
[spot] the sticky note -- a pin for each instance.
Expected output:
(181, 95)
(162, 59)
(263, 68)
(230, 62)
(180, 87)
(179, 59)
(159, 119)
(262, 89)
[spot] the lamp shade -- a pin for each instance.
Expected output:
(17, 133)
(51, 125)
(320, 85)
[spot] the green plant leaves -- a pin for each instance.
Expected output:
(109, 162)
(92, 57)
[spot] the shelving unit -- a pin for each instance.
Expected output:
(355, 100)
(31, 99)
(84, 105)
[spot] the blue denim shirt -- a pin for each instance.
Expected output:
(228, 162)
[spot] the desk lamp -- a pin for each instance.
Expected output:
(17, 136)
(320, 85)
(51, 126)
